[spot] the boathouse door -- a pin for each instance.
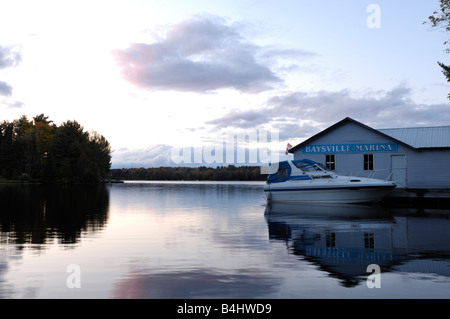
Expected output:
(398, 169)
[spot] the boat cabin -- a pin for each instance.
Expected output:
(297, 170)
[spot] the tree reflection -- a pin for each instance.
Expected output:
(37, 214)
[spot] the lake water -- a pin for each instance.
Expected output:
(212, 240)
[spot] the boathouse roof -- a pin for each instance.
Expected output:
(414, 137)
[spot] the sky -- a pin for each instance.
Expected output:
(160, 77)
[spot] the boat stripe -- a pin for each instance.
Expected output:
(321, 188)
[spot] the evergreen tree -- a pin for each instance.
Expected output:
(38, 150)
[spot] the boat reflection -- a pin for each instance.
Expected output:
(343, 240)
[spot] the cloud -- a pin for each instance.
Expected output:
(153, 156)
(300, 114)
(200, 55)
(9, 57)
(14, 104)
(242, 119)
(238, 153)
(5, 89)
(393, 108)
(9, 103)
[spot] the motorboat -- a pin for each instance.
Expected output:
(309, 181)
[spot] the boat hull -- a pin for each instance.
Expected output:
(337, 195)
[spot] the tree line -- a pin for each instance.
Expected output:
(203, 173)
(38, 150)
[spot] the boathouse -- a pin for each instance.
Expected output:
(417, 158)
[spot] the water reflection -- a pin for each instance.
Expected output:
(211, 240)
(196, 283)
(36, 214)
(342, 240)
(212, 235)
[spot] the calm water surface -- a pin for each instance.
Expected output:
(212, 240)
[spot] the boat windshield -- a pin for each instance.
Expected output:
(310, 167)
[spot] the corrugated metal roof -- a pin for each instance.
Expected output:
(421, 137)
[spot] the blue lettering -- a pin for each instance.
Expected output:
(350, 148)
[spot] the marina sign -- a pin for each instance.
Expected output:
(350, 148)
